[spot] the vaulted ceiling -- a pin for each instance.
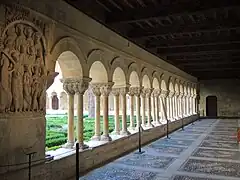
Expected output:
(201, 37)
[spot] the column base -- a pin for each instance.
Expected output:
(125, 133)
(150, 125)
(96, 138)
(82, 146)
(157, 123)
(115, 133)
(132, 128)
(68, 145)
(106, 138)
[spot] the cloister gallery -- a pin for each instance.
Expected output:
(145, 95)
(50, 63)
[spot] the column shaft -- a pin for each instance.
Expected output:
(154, 110)
(143, 111)
(138, 118)
(80, 136)
(105, 136)
(124, 116)
(132, 112)
(116, 110)
(97, 118)
(70, 142)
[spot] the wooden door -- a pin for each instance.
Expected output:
(211, 106)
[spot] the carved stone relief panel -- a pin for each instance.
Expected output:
(23, 74)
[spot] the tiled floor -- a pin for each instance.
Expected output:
(206, 150)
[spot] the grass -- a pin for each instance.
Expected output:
(56, 129)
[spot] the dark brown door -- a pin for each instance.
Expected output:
(55, 102)
(211, 106)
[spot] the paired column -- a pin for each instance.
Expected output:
(123, 92)
(164, 109)
(143, 99)
(137, 92)
(170, 97)
(148, 96)
(68, 86)
(131, 94)
(80, 87)
(180, 98)
(176, 105)
(105, 90)
(156, 94)
(115, 92)
(96, 91)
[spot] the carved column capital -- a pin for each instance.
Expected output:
(106, 88)
(115, 91)
(135, 91)
(148, 91)
(96, 88)
(176, 94)
(156, 92)
(81, 85)
(164, 93)
(170, 94)
(181, 95)
(69, 85)
(124, 90)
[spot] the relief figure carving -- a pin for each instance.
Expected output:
(23, 74)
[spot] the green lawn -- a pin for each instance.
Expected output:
(56, 129)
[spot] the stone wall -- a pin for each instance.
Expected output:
(64, 168)
(227, 93)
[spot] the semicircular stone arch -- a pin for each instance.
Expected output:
(146, 83)
(99, 56)
(68, 44)
(155, 83)
(134, 79)
(98, 73)
(119, 78)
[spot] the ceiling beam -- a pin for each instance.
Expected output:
(199, 48)
(153, 11)
(209, 62)
(212, 69)
(203, 41)
(210, 52)
(209, 26)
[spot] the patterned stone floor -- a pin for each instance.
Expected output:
(206, 150)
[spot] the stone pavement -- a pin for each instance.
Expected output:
(206, 150)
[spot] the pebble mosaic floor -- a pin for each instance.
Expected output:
(206, 150)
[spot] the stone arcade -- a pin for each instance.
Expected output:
(36, 37)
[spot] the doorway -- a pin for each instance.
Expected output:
(211, 106)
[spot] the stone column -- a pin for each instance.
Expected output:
(96, 91)
(148, 96)
(153, 108)
(170, 97)
(180, 105)
(176, 106)
(123, 93)
(156, 96)
(194, 104)
(137, 91)
(80, 87)
(105, 90)
(68, 86)
(131, 94)
(186, 105)
(115, 92)
(143, 96)
(163, 98)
